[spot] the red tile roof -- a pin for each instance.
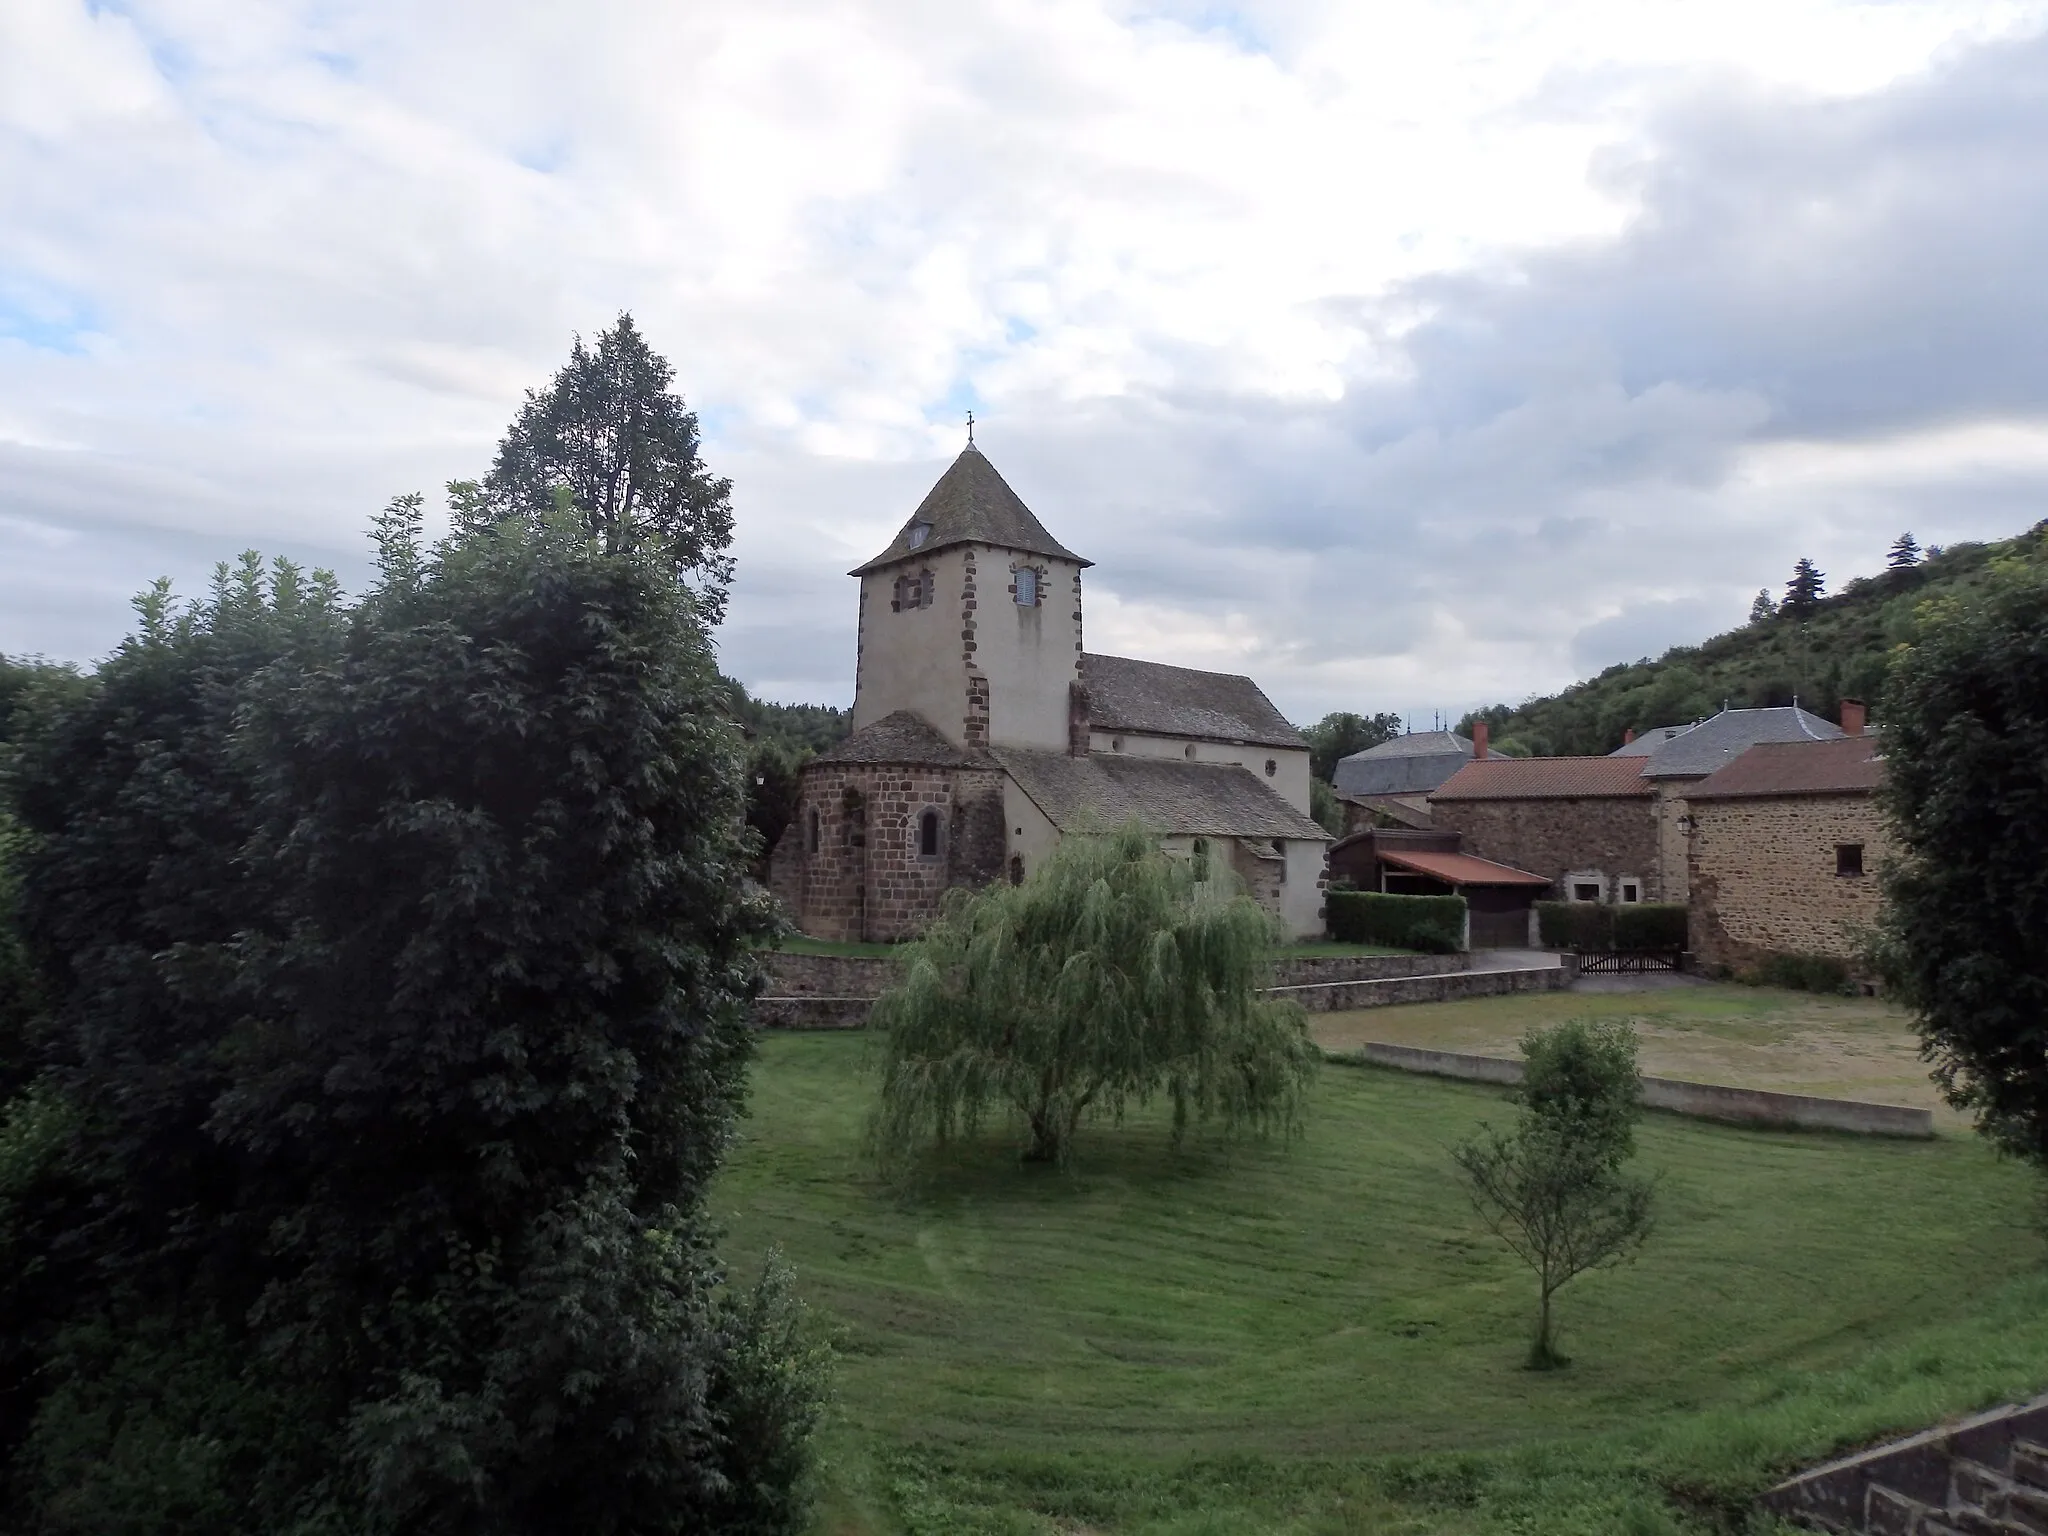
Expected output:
(1851, 765)
(1547, 778)
(1461, 868)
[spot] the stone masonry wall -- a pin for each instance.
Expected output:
(866, 880)
(1554, 838)
(1763, 876)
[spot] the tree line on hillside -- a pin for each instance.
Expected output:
(1809, 646)
(373, 990)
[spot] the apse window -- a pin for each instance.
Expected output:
(1848, 858)
(928, 835)
(1027, 587)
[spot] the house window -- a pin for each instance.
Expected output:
(1631, 891)
(811, 830)
(1201, 857)
(1585, 890)
(1848, 858)
(928, 835)
(1272, 767)
(1027, 587)
(1016, 869)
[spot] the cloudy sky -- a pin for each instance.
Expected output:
(1407, 356)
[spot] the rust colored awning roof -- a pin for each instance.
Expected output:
(1460, 869)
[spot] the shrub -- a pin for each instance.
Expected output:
(1801, 973)
(1650, 925)
(1592, 926)
(1581, 925)
(1432, 924)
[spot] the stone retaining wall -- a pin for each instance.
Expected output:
(1706, 1101)
(1338, 996)
(799, 975)
(1984, 1473)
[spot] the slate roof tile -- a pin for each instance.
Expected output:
(1152, 698)
(971, 504)
(1174, 797)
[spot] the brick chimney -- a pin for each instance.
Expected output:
(1077, 720)
(1479, 735)
(1628, 736)
(1854, 717)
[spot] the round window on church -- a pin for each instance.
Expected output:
(1272, 767)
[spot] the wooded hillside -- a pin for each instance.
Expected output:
(1819, 652)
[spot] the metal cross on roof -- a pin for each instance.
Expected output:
(970, 429)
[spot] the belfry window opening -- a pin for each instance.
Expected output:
(1027, 587)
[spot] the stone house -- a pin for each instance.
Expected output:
(983, 732)
(1785, 845)
(1390, 784)
(1587, 825)
(1612, 828)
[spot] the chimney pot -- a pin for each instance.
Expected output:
(1854, 717)
(1479, 734)
(1628, 736)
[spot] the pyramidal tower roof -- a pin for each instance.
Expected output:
(971, 504)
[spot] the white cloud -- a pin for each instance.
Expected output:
(1253, 304)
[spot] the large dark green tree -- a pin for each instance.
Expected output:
(396, 959)
(1114, 975)
(1338, 735)
(1965, 941)
(610, 441)
(1804, 591)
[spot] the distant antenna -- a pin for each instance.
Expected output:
(970, 429)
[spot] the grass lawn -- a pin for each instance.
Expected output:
(1743, 1037)
(797, 944)
(1320, 1339)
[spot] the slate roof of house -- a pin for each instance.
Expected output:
(1721, 739)
(901, 737)
(1170, 796)
(1848, 765)
(1547, 778)
(1410, 764)
(1461, 868)
(1155, 699)
(971, 504)
(1651, 741)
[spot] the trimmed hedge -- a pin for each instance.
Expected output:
(1434, 925)
(1590, 926)
(1802, 973)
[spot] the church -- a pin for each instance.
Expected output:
(983, 732)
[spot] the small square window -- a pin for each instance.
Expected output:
(1848, 858)
(1630, 891)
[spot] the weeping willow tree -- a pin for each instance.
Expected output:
(1116, 974)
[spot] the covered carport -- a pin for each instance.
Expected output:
(1497, 896)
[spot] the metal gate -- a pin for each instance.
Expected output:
(1594, 962)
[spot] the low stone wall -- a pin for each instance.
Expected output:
(811, 1012)
(1706, 1101)
(842, 976)
(1966, 1476)
(1310, 970)
(1341, 996)
(856, 976)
